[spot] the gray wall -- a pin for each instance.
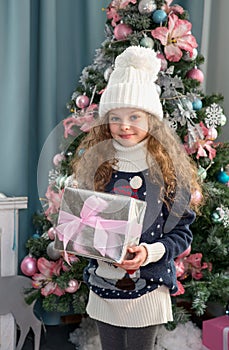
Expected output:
(215, 47)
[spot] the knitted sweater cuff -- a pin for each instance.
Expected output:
(155, 252)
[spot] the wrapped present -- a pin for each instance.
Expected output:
(98, 225)
(215, 333)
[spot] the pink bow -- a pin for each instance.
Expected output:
(105, 236)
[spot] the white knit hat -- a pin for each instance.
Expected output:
(132, 82)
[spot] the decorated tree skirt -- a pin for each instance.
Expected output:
(186, 337)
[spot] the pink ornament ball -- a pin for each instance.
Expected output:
(73, 286)
(196, 197)
(57, 159)
(29, 266)
(212, 133)
(82, 101)
(52, 233)
(121, 31)
(195, 74)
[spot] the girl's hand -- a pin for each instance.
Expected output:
(139, 257)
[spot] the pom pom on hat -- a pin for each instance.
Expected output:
(132, 83)
(140, 58)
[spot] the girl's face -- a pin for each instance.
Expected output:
(128, 126)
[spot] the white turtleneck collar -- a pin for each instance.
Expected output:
(131, 159)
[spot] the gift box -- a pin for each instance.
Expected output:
(215, 333)
(98, 225)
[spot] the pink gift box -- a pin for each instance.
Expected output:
(215, 334)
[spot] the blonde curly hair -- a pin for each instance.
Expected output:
(170, 166)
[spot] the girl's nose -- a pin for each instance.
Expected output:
(125, 126)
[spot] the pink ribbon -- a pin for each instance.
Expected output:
(105, 235)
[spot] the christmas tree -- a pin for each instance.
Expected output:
(202, 273)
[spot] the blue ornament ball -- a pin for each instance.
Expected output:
(197, 104)
(159, 16)
(36, 235)
(222, 177)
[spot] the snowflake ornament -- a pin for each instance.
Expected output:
(214, 115)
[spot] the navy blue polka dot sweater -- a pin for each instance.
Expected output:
(109, 281)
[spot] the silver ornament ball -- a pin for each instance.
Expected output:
(186, 56)
(53, 253)
(146, 6)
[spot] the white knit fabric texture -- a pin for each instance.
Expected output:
(132, 83)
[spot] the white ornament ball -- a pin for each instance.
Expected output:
(146, 6)
(187, 104)
(147, 42)
(223, 120)
(188, 58)
(202, 173)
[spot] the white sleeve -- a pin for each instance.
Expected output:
(155, 252)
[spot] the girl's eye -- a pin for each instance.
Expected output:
(133, 117)
(114, 119)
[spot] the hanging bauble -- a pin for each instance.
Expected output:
(53, 253)
(212, 133)
(164, 63)
(196, 197)
(29, 265)
(82, 101)
(36, 235)
(159, 16)
(187, 56)
(216, 217)
(73, 286)
(197, 104)
(58, 158)
(202, 173)
(187, 104)
(122, 30)
(195, 74)
(146, 6)
(52, 233)
(222, 177)
(147, 42)
(107, 73)
(223, 120)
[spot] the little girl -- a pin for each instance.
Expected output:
(132, 151)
